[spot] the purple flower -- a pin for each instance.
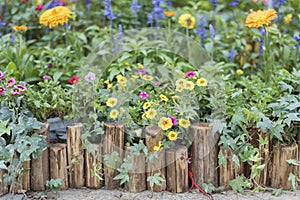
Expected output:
(157, 83)
(212, 32)
(169, 3)
(21, 87)
(10, 82)
(90, 77)
(2, 90)
(53, 4)
(176, 108)
(232, 54)
(174, 120)
(49, 65)
(201, 32)
(46, 77)
(108, 11)
(23, 82)
(190, 74)
(234, 3)
(1, 74)
(135, 6)
(142, 71)
(144, 95)
(150, 19)
(15, 91)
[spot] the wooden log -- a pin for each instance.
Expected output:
(177, 169)
(229, 170)
(204, 153)
(153, 136)
(263, 178)
(3, 187)
(298, 143)
(40, 166)
(280, 168)
(22, 184)
(58, 163)
(113, 142)
(93, 166)
(137, 177)
(75, 155)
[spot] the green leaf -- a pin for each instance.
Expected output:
(291, 117)
(239, 184)
(294, 179)
(277, 192)
(57, 76)
(293, 162)
(11, 68)
(293, 106)
(2, 165)
(236, 160)
(222, 159)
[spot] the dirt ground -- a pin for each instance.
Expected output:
(88, 194)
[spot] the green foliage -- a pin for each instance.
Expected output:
(54, 185)
(240, 183)
(156, 179)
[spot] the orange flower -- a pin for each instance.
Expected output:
(20, 28)
(55, 16)
(260, 18)
(170, 13)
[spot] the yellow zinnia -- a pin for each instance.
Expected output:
(113, 114)
(163, 97)
(165, 123)
(172, 135)
(184, 123)
(260, 18)
(151, 113)
(111, 102)
(189, 85)
(20, 28)
(201, 82)
(147, 105)
(55, 16)
(157, 147)
(187, 21)
(147, 78)
(239, 72)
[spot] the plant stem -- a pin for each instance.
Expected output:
(188, 43)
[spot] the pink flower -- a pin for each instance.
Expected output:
(21, 87)
(174, 120)
(23, 82)
(39, 7)
(190, 74)
(142, 71)
(15, 91)
(176, 108)
(46, 77)
(1, 74)
(144, 95)
(157, 83)
(10, 82)
(2, 90)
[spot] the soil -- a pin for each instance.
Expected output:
(89, 194)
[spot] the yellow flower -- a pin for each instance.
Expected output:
(122, 111)
(187, 21)
(163, 97)
(201, 82)
(20, 28)
(55, 16)
(106, 82)
(165, 123)
(147, 78)
(144, 116)
(147, 105)
(239, 72)
(260, 18)
(113, 114)
(122, 80)
(134, 77)
(189, 85)
(126, 63)
(111, 102)
(151, 113)
(184, 123)
(139, 65)
(109, 86)
(179, 88)
(157, 147)
(180, 82)
(172, 135)
(288, 18)
(169, 13)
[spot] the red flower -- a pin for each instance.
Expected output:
(39, 7)
(73, 80)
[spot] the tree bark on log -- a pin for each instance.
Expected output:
(3, 187)
(75, 156)
(280, 168)
(204, 153)
(58, 163)
(137, 177)
(177, 169)
(40, 166)
(153, 136)
(229, 170)
(113, 142)
(94, 164)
